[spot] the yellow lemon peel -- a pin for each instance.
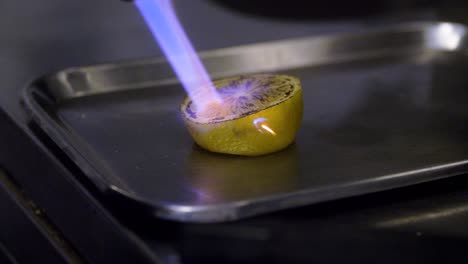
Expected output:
(259, 114)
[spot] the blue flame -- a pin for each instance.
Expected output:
(166, 29)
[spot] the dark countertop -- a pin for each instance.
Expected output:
(424, 223)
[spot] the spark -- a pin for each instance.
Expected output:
(268, 129)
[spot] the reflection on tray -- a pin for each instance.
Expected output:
(222, 178)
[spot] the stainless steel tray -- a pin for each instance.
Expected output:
(384, 109)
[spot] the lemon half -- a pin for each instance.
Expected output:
(259, 114)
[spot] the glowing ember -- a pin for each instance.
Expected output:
(259, 123)
(161, 19)
(267, 128)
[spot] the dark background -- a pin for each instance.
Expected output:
(424, 223)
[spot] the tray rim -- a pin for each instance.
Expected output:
(59, 77)
(238, 209)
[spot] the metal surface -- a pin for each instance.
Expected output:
(383, 109)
